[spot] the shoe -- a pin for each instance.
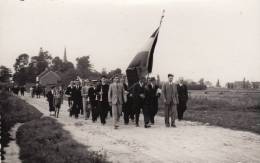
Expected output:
(167, 125)
(147, 126)
(115, 127)
(173, 125)
(137, 125)
(126, 123)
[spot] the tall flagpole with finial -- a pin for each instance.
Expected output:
(163, 11)
(161, 20)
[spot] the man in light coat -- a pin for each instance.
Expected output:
(170, 98)
(116, 99)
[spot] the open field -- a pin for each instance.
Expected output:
(235, 109)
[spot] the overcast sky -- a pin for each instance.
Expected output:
(199, 38)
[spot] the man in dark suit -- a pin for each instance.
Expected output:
(138, 98)
(93, 101)
(38, 90)
(77, 100)
(50, 99)
(155, 93)
(170, 99)
(183, 98)
(127, 105)
(102, 97)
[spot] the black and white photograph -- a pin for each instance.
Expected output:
(130, 81)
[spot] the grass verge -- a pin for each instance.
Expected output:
(13, 110)
(41, 140)
(44, 140)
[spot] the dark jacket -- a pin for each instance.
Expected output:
(68, 90)
(151, 96)
(50, 97)
(91, 94)
(76, 94)
(137, 91)
(182, 93)
(105, 89)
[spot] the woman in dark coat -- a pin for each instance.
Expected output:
(50, 99)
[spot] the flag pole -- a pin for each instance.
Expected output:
(163, 11)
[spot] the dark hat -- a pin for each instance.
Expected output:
(170, 75)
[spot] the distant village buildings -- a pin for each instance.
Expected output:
(243, 85)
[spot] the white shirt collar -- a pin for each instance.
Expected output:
(141, 84)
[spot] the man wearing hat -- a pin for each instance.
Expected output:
(170, 99)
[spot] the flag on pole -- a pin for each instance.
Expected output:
(142, 64)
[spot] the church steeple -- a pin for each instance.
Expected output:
(65, 56)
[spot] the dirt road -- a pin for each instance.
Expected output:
(189, 142)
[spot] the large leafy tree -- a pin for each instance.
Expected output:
(21, 64)
(5, 74)
(26, 71)
(57, 64)
(68, 76)
(22, 61)
(66, 66)
(114, 72)
(84, 67)
(42, 60)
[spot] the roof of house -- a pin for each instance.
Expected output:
(43, 73)
(51, 72)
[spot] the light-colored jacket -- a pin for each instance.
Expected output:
(84, 91)
(116, 93)
(170, 93)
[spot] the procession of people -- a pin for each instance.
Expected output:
(113, 98)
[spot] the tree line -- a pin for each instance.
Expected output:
(27, 68)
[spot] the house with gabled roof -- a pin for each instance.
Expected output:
(48, 78)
